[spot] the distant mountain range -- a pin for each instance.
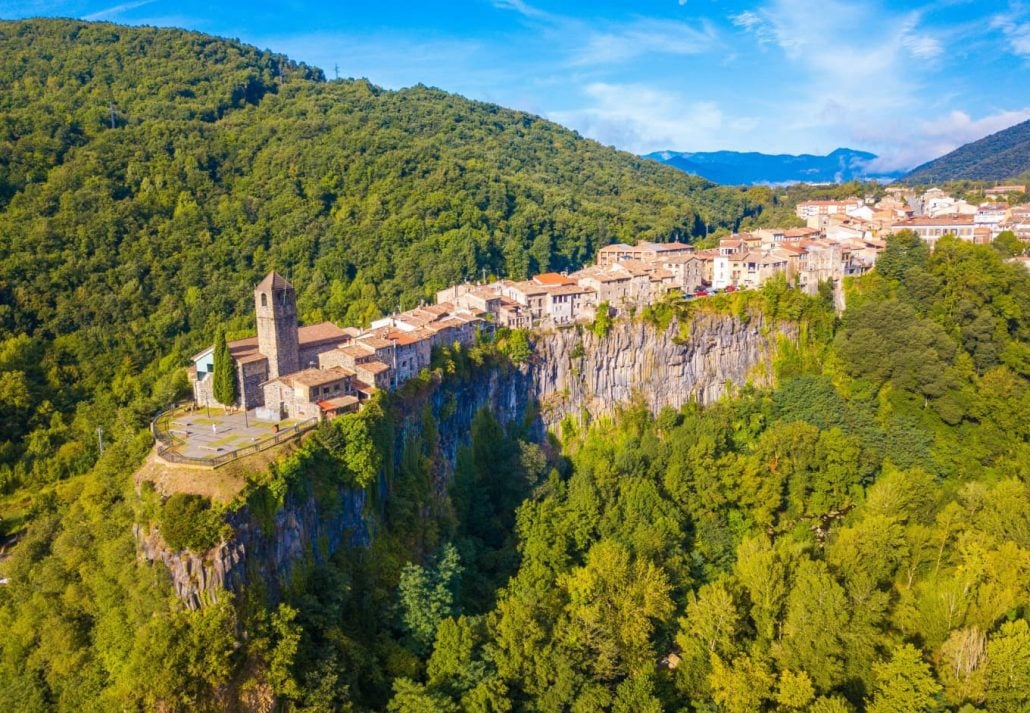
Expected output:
(1005, 154)
(739, 168)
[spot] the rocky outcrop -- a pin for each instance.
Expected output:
(571, 372)
(574, 371)
(302, 530)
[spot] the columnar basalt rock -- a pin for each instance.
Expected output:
(571, 372)
(261, 552)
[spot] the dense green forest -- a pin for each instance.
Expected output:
(856, 538)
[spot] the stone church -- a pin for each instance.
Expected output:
(279, 349)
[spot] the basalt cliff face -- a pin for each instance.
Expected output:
(571, 373)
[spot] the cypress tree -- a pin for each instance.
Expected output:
(224, 386)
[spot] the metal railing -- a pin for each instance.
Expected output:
(168, 444)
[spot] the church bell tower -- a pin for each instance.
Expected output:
(275, 303)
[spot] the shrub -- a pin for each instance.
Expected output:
(188, 522)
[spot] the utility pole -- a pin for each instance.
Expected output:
(336, 70)
(100, 438)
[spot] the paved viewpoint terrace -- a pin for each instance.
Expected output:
(209, 433)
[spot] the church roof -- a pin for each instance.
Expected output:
(274, 281)
(314, 334)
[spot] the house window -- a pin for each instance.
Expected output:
(264, 300)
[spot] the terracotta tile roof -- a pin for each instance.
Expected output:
(486, 293)
(671, 247)
(372, 367)
(405, 339)
(340, 402)
(552, 279)
(274, 280)
(635, 267)
(612, 277)
(357, 350)
(363, 387)
(322, 332)
(795, 249)
(251, 358)
(940, 220)
(467, 317)
(375, 342)
(317, 377)
(569, 290)
(416, 320)
(847, 201)
(243, 346)
(528, 287)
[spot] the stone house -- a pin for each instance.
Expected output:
(930, 230)
(644, 251)
(567, 303)
(527, 293)
(297, 396)
(687, 272)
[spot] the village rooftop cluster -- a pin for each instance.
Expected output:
(321, 370)
(930, 215)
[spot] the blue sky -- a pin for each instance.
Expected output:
(906, 80)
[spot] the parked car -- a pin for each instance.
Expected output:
(731, 288)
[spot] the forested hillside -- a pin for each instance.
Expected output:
(997, 157)
(149, 177)
(855, 539)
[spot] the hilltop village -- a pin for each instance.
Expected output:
(930, 215)
(321, 370)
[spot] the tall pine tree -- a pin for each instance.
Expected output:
(225, 374)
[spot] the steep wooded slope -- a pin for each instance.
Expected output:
(150, 176)
(1005, 154)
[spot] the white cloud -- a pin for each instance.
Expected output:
(922, 46)
(752, 22)
(112, 12)
(1014, 24)
(640, 118)
(642, 37)
(521, 7)
(859, 73)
